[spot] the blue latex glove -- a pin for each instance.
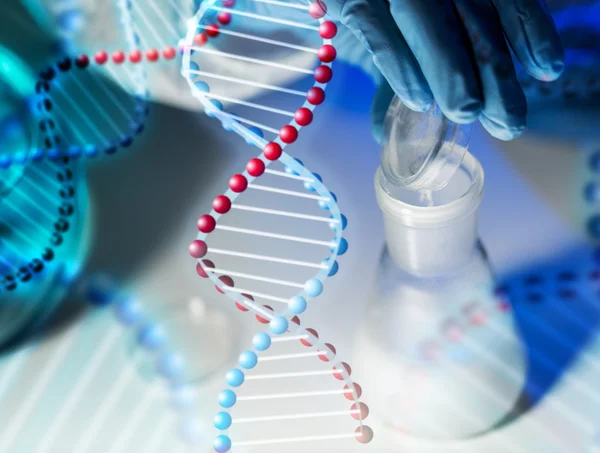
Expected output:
(457, 52)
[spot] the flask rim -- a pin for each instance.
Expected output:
(439, 216)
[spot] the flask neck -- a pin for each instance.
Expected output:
(431, 233)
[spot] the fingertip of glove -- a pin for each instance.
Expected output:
(550, 65)
(465, 113)
(417, 98)
(553, 71)
(500, 131)
(421, 105)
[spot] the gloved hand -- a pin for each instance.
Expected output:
(456, 52)
(453, 51)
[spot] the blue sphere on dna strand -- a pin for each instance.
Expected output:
(276, 221)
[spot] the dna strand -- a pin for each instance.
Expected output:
(65, 130)
(39, 211)
(56, 106)
(564, 285)
(88, 137)
(157, 31)
(447, 343)
(280, 176)
(92, 118)
(40, 206)
(154, 336)
(95, 124)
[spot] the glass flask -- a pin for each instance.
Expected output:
(438, 351)
(203, 335)
(41, 218)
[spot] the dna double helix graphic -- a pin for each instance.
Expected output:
(161, 354)
(39, 204)
(278, 353)
(239, 252)
(66, 123)
(100, 129)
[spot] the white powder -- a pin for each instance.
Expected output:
(426, 198)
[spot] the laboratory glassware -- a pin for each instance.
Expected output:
(438, 349)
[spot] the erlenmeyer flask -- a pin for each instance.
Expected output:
(438, 352)
(205, 338)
